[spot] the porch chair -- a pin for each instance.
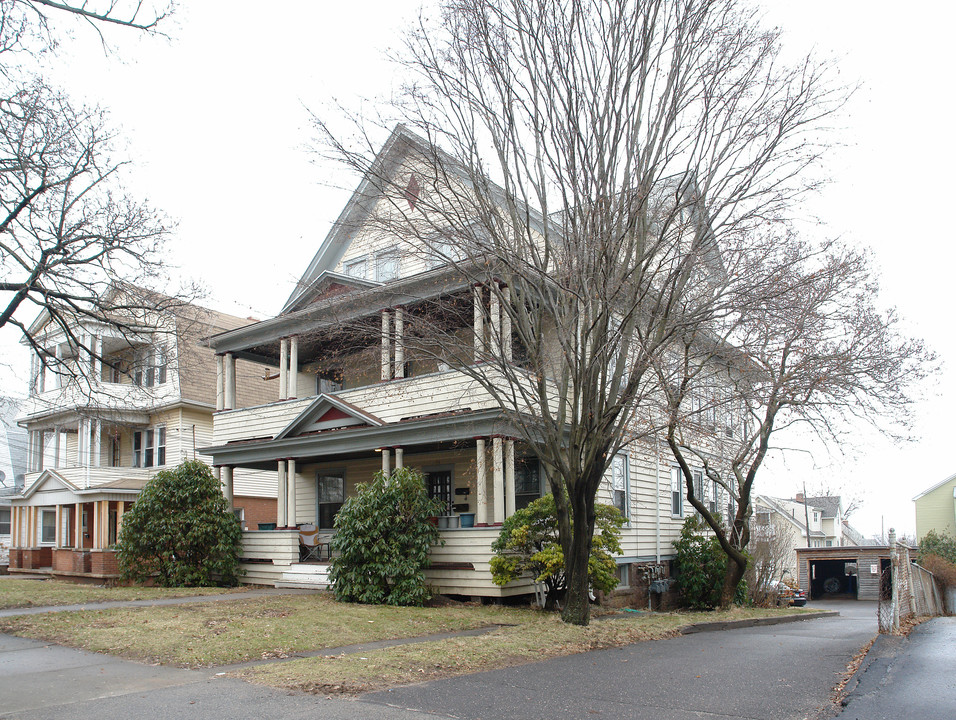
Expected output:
(309, 546)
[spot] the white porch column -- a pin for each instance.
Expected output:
(225, 478)
(399, 458)
(386, 346)
(97, 438)
(56, 447)
(399, 345)
(479, 322)
(481, 494)
(283, 368)
(499, 478)
(509, 478)
(78, 525)
(83, 442)
(282, 496)
(58, 537)
(293, 390)
(220, 383)
(120, 511)
(290, 498)
(97, 522)
(229, 386)
(385, 462)
(506, 342)
(495, 324)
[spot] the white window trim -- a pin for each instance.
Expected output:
(41, 513)
(348, 265)
(677, 486)
(624, 458)
(391, 253)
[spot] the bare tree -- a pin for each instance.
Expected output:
(806, 345)
(68, 231)
(595, 167)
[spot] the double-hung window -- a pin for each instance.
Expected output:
(677, 492)
(618, 474)
(149, 447)
(387, 264)
(150, 370)
(47, 526)
(357, 267)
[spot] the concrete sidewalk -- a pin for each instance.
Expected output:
(907, 677)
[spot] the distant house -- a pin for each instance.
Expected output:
(813, 522)
(111, 411)
(936, 508)
(13, 464)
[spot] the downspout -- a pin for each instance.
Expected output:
(657, 473)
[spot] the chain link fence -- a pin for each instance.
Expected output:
(906, 590)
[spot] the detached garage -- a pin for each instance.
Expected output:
(848, 571)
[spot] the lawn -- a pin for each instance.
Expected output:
(16, 593)
(212, 634)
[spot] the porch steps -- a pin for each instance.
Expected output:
(304, 575)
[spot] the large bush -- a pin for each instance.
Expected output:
(700, 566)
(528, 544)
(180, 531)
(382, 539)
(940, 544)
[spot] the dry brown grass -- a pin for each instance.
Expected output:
(16, 593)
(227, 632)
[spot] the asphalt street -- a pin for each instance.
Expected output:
(910, 677)
(782, 671)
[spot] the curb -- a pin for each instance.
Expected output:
(754, 622)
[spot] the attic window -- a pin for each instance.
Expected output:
(412, 191)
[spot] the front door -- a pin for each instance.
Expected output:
(438, 483)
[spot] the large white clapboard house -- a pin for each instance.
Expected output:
(350, 404)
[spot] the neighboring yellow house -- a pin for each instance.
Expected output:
(936, 509)
(119, 403)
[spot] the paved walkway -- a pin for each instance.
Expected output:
(912, 677)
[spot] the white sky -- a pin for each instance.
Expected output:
(215, 119)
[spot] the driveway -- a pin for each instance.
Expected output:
(908, 677)
(781, 671)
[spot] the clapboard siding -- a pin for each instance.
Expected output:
(279, 546)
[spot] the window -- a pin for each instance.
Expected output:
(331, 492)
(762, 518)
(618, 474)
(240, 514)
(329, 381)
(357, 268)
(677, 492)
(4, 521)
(47, 526)
(150, 367)
(527, 481)
(440, 487)
(715, 494)
(149, 447)
(387, 264)
(829, 543)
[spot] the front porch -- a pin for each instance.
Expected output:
(460, 567)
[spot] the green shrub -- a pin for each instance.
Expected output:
(940, 544)
(528, 544)
(700, 566)
(180, 531)
(382, 539)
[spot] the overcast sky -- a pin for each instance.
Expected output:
(216, 120)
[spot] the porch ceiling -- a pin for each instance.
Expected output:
(419, 435)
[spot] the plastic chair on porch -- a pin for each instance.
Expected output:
(309, 546)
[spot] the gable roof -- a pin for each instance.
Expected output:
(358, 207)
(938, 485)
(47, 477)
(327, 412)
